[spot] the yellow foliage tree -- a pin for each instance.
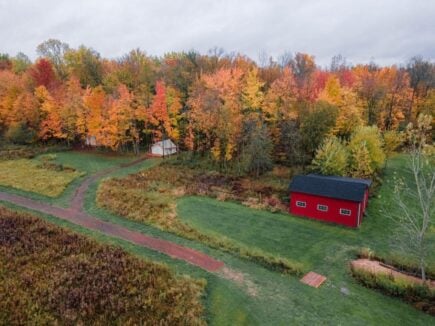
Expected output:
(51, 126)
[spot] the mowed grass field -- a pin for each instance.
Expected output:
(323, 248)
(281, 299)
(28, 175)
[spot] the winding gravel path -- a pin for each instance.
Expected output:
(76, 214)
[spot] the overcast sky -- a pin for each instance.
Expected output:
(386, 31)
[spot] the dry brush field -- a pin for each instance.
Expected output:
(52, 276)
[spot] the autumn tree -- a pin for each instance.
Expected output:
(119, 129)
(180, 70)
(71, 108)
(135, 70)
(252, 94)
(331, 158)
(216, 112)
(85, 64)
(164, 112)
(422, 80)
(5, 62)
(54, 50)
(19, 133)
(91, 118)
(20, 63)
(43, 74)
(290, 148)
(361, 165)
(304, 68)
(256, 152)
(51, 127)
(392, 141)
(280, 101)
(349, 112)
(317, 125)
(27, 112)
(397, 97)
(371, 91)
(366, 145)
(11, 88)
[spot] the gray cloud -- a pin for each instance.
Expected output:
(387, 31)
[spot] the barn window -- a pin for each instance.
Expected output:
(301, 204)
(322, 208)
(344, 211)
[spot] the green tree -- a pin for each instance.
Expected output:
(371, 139)
(331, 158)
(360, 161)
(85, 64)
(415, 197)
(316, 125)
(55, 50)
(392, 141)
(258, 152)
(20, 63)
(5, 61)
(20, 133)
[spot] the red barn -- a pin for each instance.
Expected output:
(333, 199)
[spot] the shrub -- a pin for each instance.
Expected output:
(420, 296)
(19, 133)
(399, 262)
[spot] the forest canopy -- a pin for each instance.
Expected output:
(223, 106)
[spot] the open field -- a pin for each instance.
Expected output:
(86, 163)
(324, 248)
(49, 275)
(29, 175)
(278, 299)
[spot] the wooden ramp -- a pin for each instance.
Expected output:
(313, 279)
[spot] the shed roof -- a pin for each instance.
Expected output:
(330, 186)
(367, 182)
(167, 143)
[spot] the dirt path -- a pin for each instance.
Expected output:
(375, 267)
(76, 214)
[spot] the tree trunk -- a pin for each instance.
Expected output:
(411, 104)
(423, 270)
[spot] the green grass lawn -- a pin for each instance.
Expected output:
(91, 162)
(85, 163)
(28, 175)
(321, 247)
(280, 299)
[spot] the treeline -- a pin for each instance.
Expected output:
(241, 114)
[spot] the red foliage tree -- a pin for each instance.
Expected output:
(43, 74)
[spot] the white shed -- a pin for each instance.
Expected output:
(163, 148)
(91, 141)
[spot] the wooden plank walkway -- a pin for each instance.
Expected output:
(313, 279)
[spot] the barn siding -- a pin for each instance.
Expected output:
(333, 213)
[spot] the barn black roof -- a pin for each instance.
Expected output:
(330, 186)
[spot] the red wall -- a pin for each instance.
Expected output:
(333, 213)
